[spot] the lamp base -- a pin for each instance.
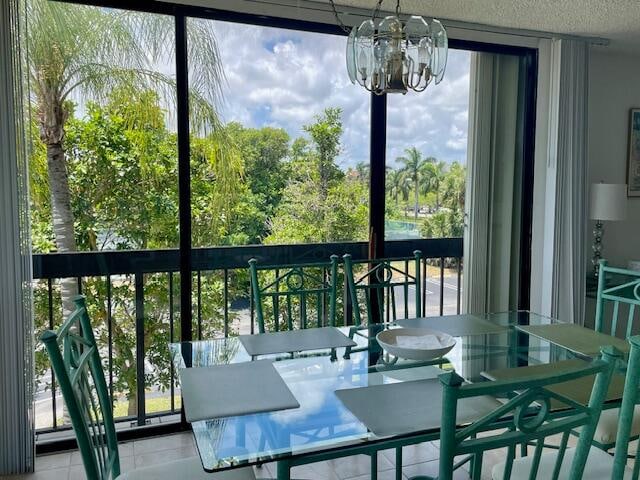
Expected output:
(598, 232)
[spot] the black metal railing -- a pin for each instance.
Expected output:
(134, 298)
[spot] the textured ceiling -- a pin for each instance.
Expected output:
(617, 20)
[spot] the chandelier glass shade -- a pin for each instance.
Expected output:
(394, 57)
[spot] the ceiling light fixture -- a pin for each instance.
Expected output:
(393, 56)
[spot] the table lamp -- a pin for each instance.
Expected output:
(608, 203)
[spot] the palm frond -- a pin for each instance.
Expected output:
(91, 51)
(62, 38)
(206, 75)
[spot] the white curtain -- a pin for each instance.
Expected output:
(493, 193)
(16, 344)
(476, 214)
(568, 158)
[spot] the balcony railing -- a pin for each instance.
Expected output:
(134, 303)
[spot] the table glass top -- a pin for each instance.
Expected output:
(322, 422)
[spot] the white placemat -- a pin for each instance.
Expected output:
(235, 389)
(406, 407)
(455, 325)
(295, 341)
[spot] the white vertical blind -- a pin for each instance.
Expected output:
(16, 344)
(476, 245)
(569, 157)
(492, 203)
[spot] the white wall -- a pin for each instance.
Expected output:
(614, 89)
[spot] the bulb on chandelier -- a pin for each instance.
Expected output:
(393, 57)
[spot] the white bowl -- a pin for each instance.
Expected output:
(415, 343)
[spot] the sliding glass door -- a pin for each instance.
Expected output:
(200, 138)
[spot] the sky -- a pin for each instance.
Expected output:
(283, 78)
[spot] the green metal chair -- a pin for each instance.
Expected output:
(294, 296)
(617, 304)
(373, 292)
(600, 465)
(288, 297)
(624, 293)
(373, 296)
(630, 401)
(525, 416)
(76, 363)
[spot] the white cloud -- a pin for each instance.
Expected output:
(459, 144)
(457, 137)
(284, 78)
(455, 131)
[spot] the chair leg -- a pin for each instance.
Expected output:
(374, 466)
(261, 447)
(284, 470)
(523, 450)
(476, 469)
(399, 463)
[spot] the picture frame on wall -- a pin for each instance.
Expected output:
(633, 166)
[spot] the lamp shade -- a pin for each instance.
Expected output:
(608, 201)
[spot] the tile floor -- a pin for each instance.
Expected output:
(417, 459)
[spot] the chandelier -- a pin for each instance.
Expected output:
(393, 56)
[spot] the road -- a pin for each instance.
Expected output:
(432, 297)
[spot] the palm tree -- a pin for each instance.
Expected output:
(397, 185)
(454, 186)
(362, 171)
(413, 162)
(77, 50)
(90, 51)
(432, 175)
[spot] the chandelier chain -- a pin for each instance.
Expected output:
(398, 8)
(376, 10)
(374, 14)
(340, 22)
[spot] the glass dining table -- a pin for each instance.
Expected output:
(322, 427)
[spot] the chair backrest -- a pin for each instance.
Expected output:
(525, 417)
(375, 289)
(78, 370)
(294, 296)
(624, 292)
(630, 398)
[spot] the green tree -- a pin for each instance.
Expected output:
(325, 134)
(449, 221)
(217, 171)
(443, 224)
(398, 185)
(432, 175)
(88, 50)
(306, 214)
(412, 163)
(122, 176)
(454, 186)
(300, 149)
(362, 172)
(300, 216)
(347, 211)
(264, 152)
(345, 214)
